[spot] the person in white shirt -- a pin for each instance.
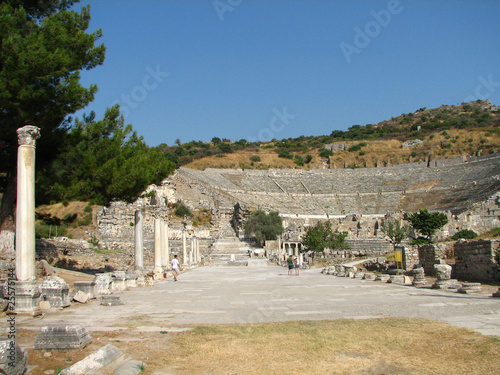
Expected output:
(175, 267)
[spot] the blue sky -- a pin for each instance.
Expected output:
(257, 70)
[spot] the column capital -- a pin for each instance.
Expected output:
(27, 135)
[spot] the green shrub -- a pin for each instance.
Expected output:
(466, 234)
(284, 153)
(255, 158)
(182, 210)
(354, 148)
(324, 153)
(309, 158)
(299, 160)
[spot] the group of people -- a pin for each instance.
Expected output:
(293, 264)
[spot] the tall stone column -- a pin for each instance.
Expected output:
(197, 244)
(166, 250)
(25, 208)
(139, 241)
(193, 251)
(157, 271)
(184, 250)
(164, 259)
(27, 292)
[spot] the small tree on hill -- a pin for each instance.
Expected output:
(264, 226)
(426, 224)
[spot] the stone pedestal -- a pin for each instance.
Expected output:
(383, 277)
(131, 280)
(55, 291)
(470, 288)
(119, 281)
(87, 287)
(111, 300)
(444, 281)
(419, 279)
(396, 279)
(13, 359)
(141, 280)
(27, 298)
(102, 283)
(62, 337)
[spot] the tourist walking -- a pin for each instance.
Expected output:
(175, 267)
(290, 265)
(297, 266)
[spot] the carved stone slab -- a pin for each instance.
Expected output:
(62, 337)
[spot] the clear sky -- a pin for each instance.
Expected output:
(257, 70)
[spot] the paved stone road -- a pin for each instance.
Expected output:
(266, 294)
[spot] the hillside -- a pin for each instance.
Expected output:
(447, 131)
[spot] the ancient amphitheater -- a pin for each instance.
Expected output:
(355, 200)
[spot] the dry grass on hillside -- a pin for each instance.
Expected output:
(60, 210)
(452, 143)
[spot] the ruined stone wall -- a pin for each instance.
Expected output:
(477, 260)
(429, 255)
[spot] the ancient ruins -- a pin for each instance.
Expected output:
(355, 201)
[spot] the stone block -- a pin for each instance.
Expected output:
(131, 280)
(44, 305)
(470, 288)
(102, 283)
(111, 300)
(383, 277)
(56, 291)
(27, 298)
(87, 287)
(94, 362)
(13, 359)
(446, 284)
(81, 297)
(369, 276)
(62, 337)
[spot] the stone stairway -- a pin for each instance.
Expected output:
(228, 248)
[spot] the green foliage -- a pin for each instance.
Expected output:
(299, 160)
(427, 223)
(466, 234)
(284, 153)
(255, 158)
(216, 140)
(44, 47)
(394, 230)
(264, 226)
(324, 153)
(309, 158)
(225, 147)
(102, 161)
(182, 210)
(354, 148)
(321, 237)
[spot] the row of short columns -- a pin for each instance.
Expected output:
(162, 246)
